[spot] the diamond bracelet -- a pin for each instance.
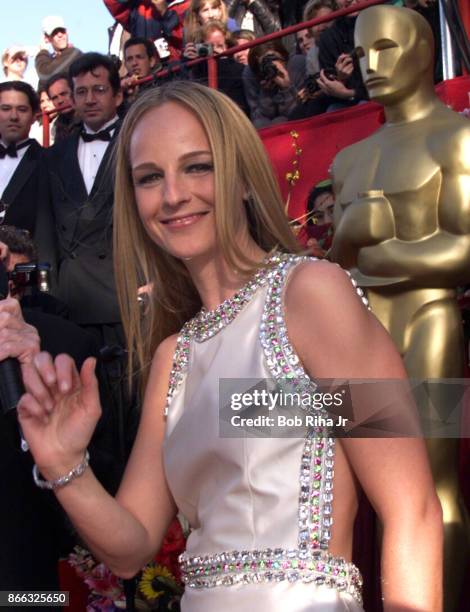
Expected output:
(62, 480)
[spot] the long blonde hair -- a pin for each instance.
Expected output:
(192, 23)
(240, 162)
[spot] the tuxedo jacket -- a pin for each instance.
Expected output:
(33, 529)
(26, 186)
(80, 245)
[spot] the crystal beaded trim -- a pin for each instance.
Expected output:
(207, 323)
(271, 565)
(317, 463)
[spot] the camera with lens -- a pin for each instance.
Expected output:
(268, 69)
(311, 86)
(31, 274)
(204, 49)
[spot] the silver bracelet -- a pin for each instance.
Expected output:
(63, 480)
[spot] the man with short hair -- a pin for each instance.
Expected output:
(20, 156)
(82, 197)
(60, 94)
(55, 34)
(140, 57)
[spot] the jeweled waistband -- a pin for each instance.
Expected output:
(271, 565)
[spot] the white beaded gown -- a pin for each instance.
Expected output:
(259, 508)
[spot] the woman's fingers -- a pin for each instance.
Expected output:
(36, 385)
(66, 372)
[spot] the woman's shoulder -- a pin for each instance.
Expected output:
(315, 279)
(165, 351)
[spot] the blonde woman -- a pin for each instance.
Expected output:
(199, 215)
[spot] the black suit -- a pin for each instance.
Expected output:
(82, 225)
(33, 530)
(22, 192)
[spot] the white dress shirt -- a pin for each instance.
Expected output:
(8, 165)
(90, 154)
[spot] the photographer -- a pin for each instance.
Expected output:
(271, 83)
(336, 46)
(33, 529)
(214, 38)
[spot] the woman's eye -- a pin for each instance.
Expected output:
(147, 179)
(200, 168)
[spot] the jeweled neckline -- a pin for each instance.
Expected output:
(207, 323)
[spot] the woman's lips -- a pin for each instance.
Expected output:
(184, 221)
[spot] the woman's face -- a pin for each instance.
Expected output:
(217, 40)
(209, 11)
(305, 40)
(17, 65)
(45, 103)
(242, 56)
(173, 180)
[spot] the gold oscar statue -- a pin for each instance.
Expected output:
(402, 226)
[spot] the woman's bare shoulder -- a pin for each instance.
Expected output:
(333, 331)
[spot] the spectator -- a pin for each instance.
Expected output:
(241, 37)
(320, 205)
(254, 15)
(60, 94)
(271, 83)
(198, 14)
(229, 72)
(20, 156)
(140, 57)
(63, 53)
(305, 41)
(314, 9)
(45, 105)
(336, 47)
(15, 62)
(33, 529)
(82, 196)
(156, 20)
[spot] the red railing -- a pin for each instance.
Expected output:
(212, 60)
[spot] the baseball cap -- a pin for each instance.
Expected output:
(51, 23)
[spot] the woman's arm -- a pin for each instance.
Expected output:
(336, 337)
(58, 415)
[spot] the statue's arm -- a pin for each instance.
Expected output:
(444, 255)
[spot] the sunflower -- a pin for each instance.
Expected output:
(153, 578)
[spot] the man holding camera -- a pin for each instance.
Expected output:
(33, 529)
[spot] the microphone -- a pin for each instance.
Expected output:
(11, 382)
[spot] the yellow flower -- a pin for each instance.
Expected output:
(149, 582)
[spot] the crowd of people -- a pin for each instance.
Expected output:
(64, 198)
(294, 77)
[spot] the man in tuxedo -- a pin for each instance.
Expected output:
(33, 529)
(82, 196)
(20, 156)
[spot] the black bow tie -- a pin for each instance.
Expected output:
(12, 149)
(102, 135)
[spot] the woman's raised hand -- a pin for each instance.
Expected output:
(59, 411)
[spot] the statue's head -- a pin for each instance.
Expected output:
(395, 48)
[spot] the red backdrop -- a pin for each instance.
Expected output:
(321, 137)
